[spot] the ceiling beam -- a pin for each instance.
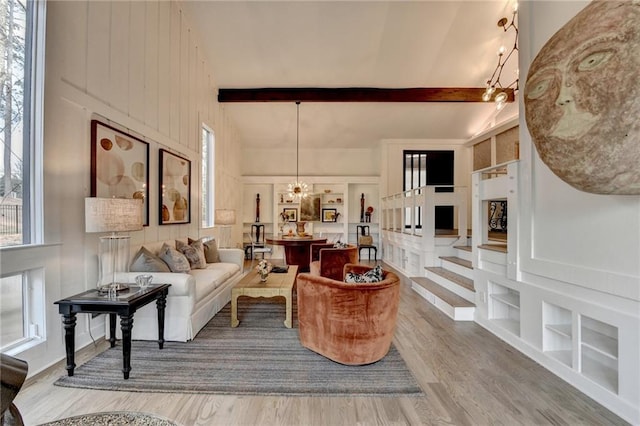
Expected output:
(357, 94)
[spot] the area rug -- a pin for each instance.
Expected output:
(114, 418)
(259, 357)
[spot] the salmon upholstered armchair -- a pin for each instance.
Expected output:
(328, 261)
(349, 323)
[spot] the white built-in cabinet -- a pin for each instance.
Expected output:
(338, 198)
(583, 343)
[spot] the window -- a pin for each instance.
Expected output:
(423, 168)
(22, 309)
(11, 313)
(21, 86)
(208, 188)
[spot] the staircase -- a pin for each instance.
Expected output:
(449, 287)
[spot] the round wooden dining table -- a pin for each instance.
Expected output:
(297, 250)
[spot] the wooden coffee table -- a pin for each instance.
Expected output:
(276, 285)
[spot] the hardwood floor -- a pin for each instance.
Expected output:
(469, 376)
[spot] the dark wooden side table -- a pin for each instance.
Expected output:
(125, 304)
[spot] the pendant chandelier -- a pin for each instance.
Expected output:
(297, 190)
(494, 87)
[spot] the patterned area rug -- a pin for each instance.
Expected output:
(259, 357)
(119, 418)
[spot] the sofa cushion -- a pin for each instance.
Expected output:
(145, 261)
(374, 275)
(210, 250)
(176, 261)
(210, 278)
(194, 252)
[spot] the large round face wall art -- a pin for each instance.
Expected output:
(582, 99)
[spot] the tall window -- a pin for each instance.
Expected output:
(423, 168)
(21, 83)
(22, 24)
(208, 188)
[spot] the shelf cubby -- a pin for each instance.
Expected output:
(557, 335)
(599, 352)
(504, 307)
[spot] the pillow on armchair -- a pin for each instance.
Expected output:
(374, 275)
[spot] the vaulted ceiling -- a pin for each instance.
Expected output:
(385, 44)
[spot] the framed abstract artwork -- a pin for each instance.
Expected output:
(175, 188)
(119, 165)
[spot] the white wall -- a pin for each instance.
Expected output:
(138, 66)
(313, 162)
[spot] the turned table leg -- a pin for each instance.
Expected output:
(69, 322)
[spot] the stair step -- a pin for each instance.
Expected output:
(457, 261)
(465, 248)
(454, 306)
(453, 277)
(502, 248)
(442, 293)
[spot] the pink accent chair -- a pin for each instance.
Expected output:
(351, 324)
(329, 262)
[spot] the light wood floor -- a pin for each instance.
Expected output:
(469, 377)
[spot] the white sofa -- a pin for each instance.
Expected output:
(194, 297)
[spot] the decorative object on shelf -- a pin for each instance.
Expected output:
(298, 190)
(327, 191)
(339, 200)
(257, 208)
(329, 215)
(281, 198)
(362, 208)
(263, 268)
(119, 165)
(582, 113)
(175, 188)
(494, 88)
(498, 216)
(300, 229)
(225, 218)
(368, 213)
(112, 215)
(290, 214)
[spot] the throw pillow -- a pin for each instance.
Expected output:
(374, 275)
(210, 250)
(194, 252)
(338, 244)
(145, 261)
(176, 261)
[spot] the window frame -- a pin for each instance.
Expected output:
(208, 177)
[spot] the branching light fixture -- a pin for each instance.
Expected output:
(298, 190)
(495, 88)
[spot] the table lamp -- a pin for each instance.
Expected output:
(225, 218)
(112, 215)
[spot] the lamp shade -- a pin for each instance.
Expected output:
(112, 214)
(225, 217)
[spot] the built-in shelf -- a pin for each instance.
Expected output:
(599, 352)
(557, 333)
(563, 330)
(604, 374)
(504, 307)
(601, 343)
(512, 299)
